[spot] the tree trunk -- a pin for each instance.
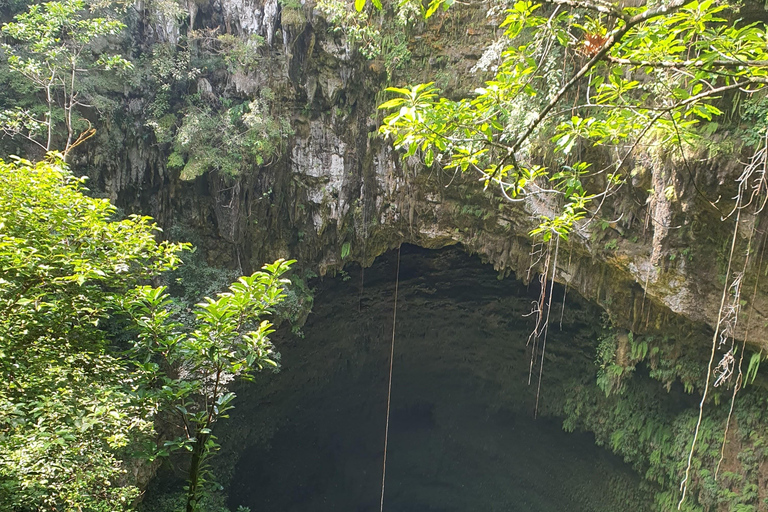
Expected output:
(198, 457)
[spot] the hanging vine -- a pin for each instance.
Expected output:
(751, 192)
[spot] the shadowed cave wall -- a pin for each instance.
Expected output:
(462, 434)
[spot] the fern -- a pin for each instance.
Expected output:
(754, 366)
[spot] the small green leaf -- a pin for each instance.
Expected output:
(433, 6)
(396, 102)
(429, 158)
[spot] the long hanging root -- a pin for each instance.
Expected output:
(740, 375)
(715, 337)
(754, 178)
(546, 326)
(736, 388)
(565, 292)
(539, 312)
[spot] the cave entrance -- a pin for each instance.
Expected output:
(462, 433)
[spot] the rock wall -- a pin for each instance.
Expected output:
(654, 261)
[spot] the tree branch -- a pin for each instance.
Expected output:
(614, 37)
(688, 63)
(601, 7)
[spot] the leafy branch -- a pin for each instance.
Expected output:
(50, 47)
(633, 68)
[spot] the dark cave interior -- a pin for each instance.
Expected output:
(462, 432)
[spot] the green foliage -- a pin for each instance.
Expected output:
(207, 132)
(394, 50)
(345, 249)
(356, 26)
(631, 77)
(617, 358)
(176, 501)
(409, 6)
(240, 53)
(228, 141)
(754, 366)
(230, 340)
(754, 116)
(650, 425)
(297, 304)
(196, 279)
(379, 30)
(69, 411)
(51, 48)
(81, 389)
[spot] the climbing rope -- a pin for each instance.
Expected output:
(389, 390)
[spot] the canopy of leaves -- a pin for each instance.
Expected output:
(584, 73)
(228, 141)
(69, 411)
(50, 46)
(81, 389)
(228, 340)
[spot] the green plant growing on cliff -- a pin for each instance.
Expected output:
(230, 340)
(640, 75)
(228, 141)
(71, 418)
(354, 25)
(394, 48)
(650, 74)
(379, 30)
(652, 432)
(51, 46)
(239, 53)
(207, 131)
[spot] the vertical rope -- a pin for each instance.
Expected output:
(389, 389)
(565, 293)
(365, 251)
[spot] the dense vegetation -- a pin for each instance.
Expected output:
(93, 359)
(96, 359)
(650, 76)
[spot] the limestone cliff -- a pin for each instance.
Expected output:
(654, 260)
(655, 257)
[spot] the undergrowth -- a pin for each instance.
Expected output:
(649, 425)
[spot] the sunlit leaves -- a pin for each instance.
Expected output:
(656, 73)
(69, 411)
(354, 24)
(521, 16)
(81, 390)
(230, 339)
(48, 45)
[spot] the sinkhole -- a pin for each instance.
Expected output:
(462, 436)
